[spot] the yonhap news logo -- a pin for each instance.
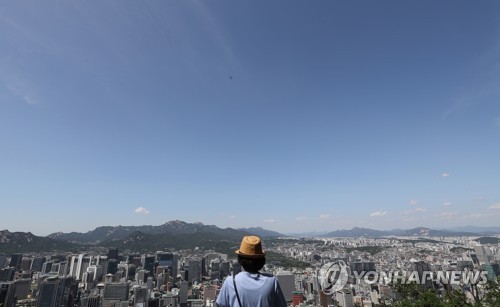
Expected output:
(466, 277)
(332, 277)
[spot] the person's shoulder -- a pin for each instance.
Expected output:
(268, 275)
(227, 281)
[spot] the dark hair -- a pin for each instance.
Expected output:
(252, 265)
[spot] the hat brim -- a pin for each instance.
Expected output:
(250, 255)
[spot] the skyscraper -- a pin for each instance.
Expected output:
(287, 284)
(484, 254)
(141, 296)
(22, 288)
(56, 291)
(148, 263)
(116, 291)
(194, 270)
(37, 263)
(3, 260)
(15, 261)
(168, 259)
(113, 253)
(422, 268)
(345, 298)
(7, 294)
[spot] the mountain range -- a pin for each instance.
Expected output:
(13, 242)
(182, 235)
(173, 234)
(109, 233)
(414, 232)
(176, 227)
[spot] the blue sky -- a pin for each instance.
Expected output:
(290, 115)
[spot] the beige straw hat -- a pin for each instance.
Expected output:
(251, 247)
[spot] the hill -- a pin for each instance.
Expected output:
(261, 232)
(24, 242)
(108, 233)
(414, 232)
(143, 242)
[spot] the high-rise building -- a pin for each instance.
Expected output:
(492, 271)
(149, 283)
(131, 270)
(215, 269)
(141, 296)
(421, 267)
(345, 298)
(37, 264)
(3, 260)
(92, 301)
(95, 272)
(204, 271)
(225, 268)
(7, 294)
(287, 284)
(46, 267)
(113, 253)
(77, 266)
(103, 262)
(484, 254)
(56, 291)
(15, 261)
(183, 292)
(135, 260)
(23, 287)
(160, 280)
(7, 274)
(62, 269)
(112, 266)
(26, 264)
(116, 291)
(141, 276)
(148, 263)
(168, 259)
(209, 293)
(170, 299)
(194, 273)
(207, 261)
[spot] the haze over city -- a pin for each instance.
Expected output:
(292, 116)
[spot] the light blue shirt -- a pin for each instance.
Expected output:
(254, 289)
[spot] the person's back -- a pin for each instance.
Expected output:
(253, 289)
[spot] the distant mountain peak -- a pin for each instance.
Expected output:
(175, 222)
(15, 241)
(173, 227)
(414, 232)
(261, 232)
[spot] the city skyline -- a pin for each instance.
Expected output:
(294, 117)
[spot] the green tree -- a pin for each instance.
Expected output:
(492, 293)
(414, 295)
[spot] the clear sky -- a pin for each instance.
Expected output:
(290, 115)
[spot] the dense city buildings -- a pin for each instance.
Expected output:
(311, 272)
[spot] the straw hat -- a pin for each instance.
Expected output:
(251, 247)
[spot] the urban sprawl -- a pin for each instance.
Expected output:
(321, 272)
